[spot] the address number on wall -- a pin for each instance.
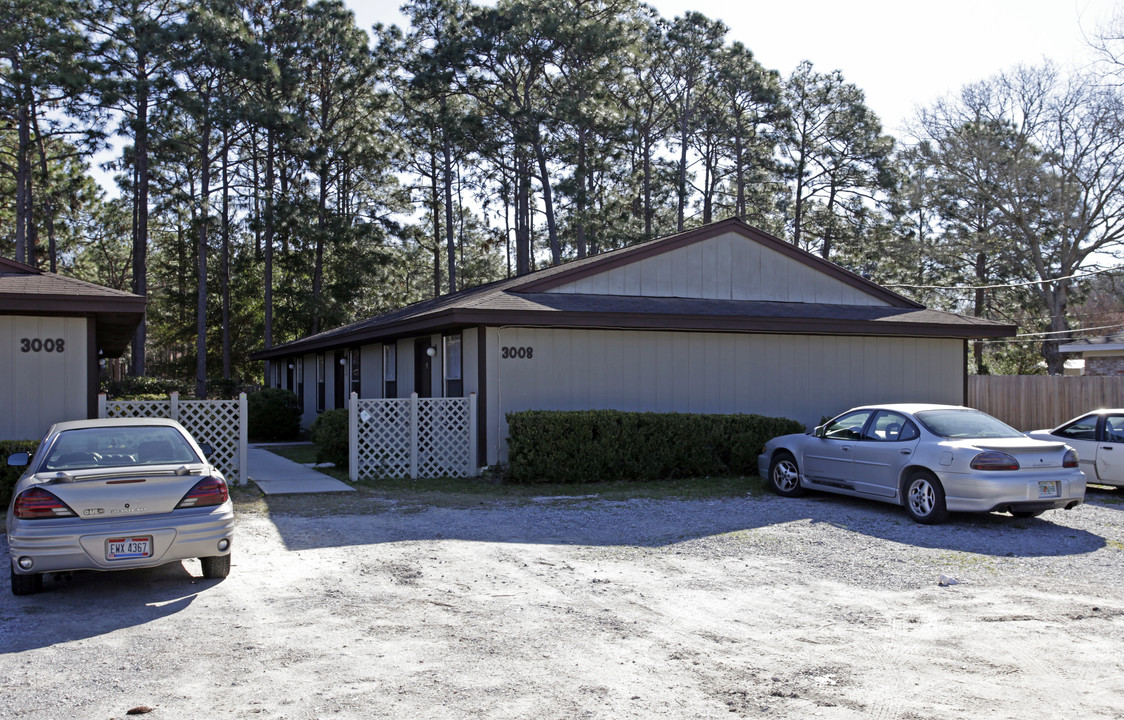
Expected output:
(42, 345)
(521, 353)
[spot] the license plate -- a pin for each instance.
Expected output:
(1047, 488)
(128, 548)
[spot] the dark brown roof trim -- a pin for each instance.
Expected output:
(460, 318)
(579, 269)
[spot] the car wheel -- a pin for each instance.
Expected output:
(26, 584)
(1027, 513)
(215, 567)
(924, 498)
(784, 476)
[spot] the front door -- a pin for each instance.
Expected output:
(423, 368)
(340, 366)
(829, 458)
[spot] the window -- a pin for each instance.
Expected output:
(355, 384)
(298, 372)
(390, 371)
(275, 374)
(891, 427)
(1083, 429)
(847, 427)
(1114, 429)
(320, 373)
(454, 385)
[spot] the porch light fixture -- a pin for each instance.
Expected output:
(431, 351)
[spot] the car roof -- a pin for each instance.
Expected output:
(112, 422)
(914, 407)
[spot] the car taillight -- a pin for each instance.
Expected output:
(37, 504)
(1070, 459)
(994, 460)
(208, 491)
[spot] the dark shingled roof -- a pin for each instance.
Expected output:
(25, 290)
(521, 301)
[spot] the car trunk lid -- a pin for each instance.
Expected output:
(93, 495)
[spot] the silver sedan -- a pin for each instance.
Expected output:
(113, 495)
(931, 459)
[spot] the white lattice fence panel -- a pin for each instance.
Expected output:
(214, 422)
(138, 409)
(443, 440)
(384, 438)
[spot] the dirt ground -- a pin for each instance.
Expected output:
(556, 608)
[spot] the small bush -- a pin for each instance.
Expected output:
(329, 432)
(609, 445)
(8, 474)
(273, 415)
(131, 388)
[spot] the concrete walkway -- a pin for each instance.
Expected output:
(275, 475)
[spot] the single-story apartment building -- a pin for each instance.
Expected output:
(54, 330)
(1103, 355)
(721, 319)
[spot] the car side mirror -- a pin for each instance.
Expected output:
(208, 451)
(819, 431)
(19, 459)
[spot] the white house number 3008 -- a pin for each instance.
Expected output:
(41, 345)
(522, 353)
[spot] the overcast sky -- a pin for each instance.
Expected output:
(902, 53)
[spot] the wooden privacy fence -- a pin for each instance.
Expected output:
(1031, 402)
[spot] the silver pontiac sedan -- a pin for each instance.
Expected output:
(931, 459)
(114, 495)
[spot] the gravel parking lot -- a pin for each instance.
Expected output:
(585, 608)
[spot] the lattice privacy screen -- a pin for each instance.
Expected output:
(415, 437)
(219, 423)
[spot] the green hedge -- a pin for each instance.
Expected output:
(606, 445)
(329, 432)
(8, 474)
(273, 415)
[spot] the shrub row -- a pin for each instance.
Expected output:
(329, 432)
(8, 474)
(273, 415)
(606, 445)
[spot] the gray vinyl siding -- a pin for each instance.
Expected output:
(38, 389)
(803, 377)
(727, 267)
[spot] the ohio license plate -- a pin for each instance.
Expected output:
(128, 548)
(1047, 488)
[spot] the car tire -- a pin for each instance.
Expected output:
(215, 568)
(26, 584)
(923, 498)
(784, 476)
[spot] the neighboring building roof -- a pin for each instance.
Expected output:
(527, 300)
(25, 290)
(1104, 343)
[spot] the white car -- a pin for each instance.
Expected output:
(1098, 438)
(116, 495)
(931, 459)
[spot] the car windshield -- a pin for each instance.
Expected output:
(116, 446)
(965, 424)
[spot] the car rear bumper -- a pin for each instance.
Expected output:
(74, 544)
(1019, 491)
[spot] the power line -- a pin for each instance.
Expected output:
(1004, 286)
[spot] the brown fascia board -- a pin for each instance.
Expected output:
(600, 263)
(32, 304)
(460, 318)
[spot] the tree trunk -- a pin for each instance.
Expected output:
(201, 252)
(140, 210)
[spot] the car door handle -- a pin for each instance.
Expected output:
(845, 448)
(907, 451)
(1106, 447)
